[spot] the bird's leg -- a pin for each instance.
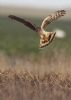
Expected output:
(52, 36)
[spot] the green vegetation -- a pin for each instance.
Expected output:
(15, 38)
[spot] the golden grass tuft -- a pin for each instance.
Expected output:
(35, 79)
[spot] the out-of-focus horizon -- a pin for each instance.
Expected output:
(33, 8)
(37, 4)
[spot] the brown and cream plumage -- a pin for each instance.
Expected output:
(45, 37)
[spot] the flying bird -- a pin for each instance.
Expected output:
(45, 37)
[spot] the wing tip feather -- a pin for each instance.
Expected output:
(62, 12)
(11, 16)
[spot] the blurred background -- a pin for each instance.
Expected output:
(16, 39)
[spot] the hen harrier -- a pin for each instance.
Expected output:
(45, 37)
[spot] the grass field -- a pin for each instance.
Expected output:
(30, 73)
(27, 79)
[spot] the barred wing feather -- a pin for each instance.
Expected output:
(52, 18)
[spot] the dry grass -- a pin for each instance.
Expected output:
(35, 79)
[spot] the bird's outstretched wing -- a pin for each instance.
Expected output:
(25, 22)
(52, 18)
